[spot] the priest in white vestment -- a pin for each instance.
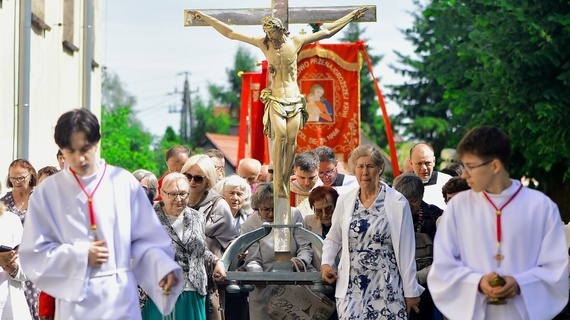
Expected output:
(524, 243)
(94, 275)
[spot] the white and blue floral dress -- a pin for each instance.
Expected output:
(375, 285)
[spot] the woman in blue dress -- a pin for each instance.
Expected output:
(372, 227)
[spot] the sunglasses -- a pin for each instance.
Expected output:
(198, 179)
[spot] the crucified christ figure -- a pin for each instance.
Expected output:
(285, 107)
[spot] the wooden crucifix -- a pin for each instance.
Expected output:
(285, 107)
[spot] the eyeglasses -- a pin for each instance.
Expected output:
(471, 167)
(198, 179)
(328, 210)
(425, 163)
(19, 179)
(328, 173)
(265, 210)
(173, 195)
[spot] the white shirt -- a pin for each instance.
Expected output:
(57, 236)
(533, 247)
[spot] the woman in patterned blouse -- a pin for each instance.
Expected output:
(186, 228)
(22, 178)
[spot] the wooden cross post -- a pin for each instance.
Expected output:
(288, 15)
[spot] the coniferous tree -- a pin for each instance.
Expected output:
(230, 95)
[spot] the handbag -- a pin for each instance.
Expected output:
(294, 302)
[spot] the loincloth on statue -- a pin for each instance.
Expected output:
(285, 108)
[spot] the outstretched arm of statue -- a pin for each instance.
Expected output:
(332, 28)
(223, 28)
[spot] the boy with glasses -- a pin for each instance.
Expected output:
(499, 251)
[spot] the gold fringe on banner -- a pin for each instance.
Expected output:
(329, 54)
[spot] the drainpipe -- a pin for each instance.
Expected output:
(23, 103)
(87, 52)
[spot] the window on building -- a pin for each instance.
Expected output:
(69, 26)
(38, 15)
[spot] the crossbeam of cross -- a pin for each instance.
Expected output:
(281, 10)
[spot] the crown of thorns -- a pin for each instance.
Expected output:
(272, 22)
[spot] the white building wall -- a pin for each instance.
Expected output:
(56, 80)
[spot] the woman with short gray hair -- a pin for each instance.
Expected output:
(372, 227)
(148, 181)
(237, 193)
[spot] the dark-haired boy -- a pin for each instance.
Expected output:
(498, 229)
(91, 235)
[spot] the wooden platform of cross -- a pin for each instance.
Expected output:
(281, 10)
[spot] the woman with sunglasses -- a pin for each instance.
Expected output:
(22, 178)
(322, 200)
(220, 231)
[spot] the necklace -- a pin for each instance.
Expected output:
(498, 212)
(90, 199)
(20, 204)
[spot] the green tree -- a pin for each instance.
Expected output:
(207, 121)
(113, 90)
(506, 64)
(124, 142)
(424, 113)
(231, 95)
(169, 139)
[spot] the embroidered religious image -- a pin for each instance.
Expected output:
(320, 100)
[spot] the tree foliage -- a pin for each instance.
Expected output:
(208, 121)
(502, 63)
(170, 139)
(231, 95)
(114, 92)
(124, 143)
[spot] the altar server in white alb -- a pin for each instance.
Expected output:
(91, 235)
(499, 250)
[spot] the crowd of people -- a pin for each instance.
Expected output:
(428, 245)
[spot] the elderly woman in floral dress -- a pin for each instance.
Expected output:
(372, 227)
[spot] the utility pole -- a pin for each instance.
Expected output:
(186, 112)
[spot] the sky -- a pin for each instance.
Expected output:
(147, 46)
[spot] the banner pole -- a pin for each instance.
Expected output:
(388, 126)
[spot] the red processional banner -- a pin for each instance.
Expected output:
(252, 142)
(329, 78)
